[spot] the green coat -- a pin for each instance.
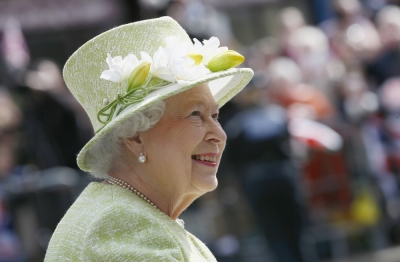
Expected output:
(110, 223)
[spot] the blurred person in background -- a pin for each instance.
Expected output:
(200, 19)
(13, 49)
(383, 135)
(286, 88)
(387, 21)
(356, 102)
(259, 150)
(290, 19)
(309, 48)
(387, 63)
(261, 53)
(353, 36)
(10, 117)
(53, 126)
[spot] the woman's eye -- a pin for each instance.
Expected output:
(215, 116)
(195, 113)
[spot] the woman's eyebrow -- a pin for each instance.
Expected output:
(202, 103)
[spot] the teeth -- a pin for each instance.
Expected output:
(205, 158)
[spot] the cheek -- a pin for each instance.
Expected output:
(185, 131)
(180, 138)
(221, 146)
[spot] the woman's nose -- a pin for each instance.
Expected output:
(215, 133)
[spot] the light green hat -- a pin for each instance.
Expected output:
(170, 63)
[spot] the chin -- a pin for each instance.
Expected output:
(207, 184)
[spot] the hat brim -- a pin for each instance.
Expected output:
(223, 85)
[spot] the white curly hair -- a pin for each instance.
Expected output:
(105, 155)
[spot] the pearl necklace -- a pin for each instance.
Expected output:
(121, 183)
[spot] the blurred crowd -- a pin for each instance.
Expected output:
(315, 138)
(42, 127)
(312, 165)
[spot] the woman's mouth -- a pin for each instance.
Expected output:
(205, 159)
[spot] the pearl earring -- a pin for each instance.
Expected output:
(142, 158)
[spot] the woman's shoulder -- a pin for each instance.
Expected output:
(107, 217)
(122, 206)
(103, 202)
(130, 229)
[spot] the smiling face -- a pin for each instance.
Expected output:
(184, 148)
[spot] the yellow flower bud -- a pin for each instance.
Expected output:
(196, 57)
(225, 60)
(138, 76)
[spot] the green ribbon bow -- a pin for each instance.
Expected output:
(114, 108)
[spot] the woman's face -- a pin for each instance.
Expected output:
(184, 148)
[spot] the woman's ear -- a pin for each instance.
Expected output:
(134, 144)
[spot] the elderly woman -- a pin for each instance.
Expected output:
(157, 143)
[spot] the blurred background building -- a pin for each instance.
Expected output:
(311, 170)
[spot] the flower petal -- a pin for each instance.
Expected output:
(160, 67)
(197, 45)
(185, 69)
(110, 63)
(160, 59)
(111, 75)
(210, 45)
(167, 77)
(117, 61)
(145, 57)
(171, 42)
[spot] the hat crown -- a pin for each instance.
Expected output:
(83, 69)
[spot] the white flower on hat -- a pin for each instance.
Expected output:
(209, 49)
(173, 64)
(160, 67)
(185, 69)
(163, 58)
(174, 48)
(120, 69)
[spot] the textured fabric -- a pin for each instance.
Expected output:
(110, 223)
(83, 69)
